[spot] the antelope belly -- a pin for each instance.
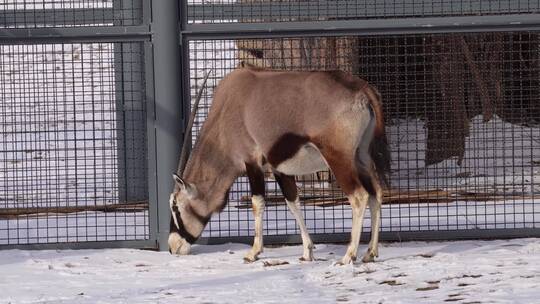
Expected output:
(307, 160)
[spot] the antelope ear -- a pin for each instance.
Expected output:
(190, 189)
(179, 181)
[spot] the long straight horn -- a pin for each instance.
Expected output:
(187, 134)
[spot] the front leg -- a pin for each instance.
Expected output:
(288, 187)
(257, 203)
(294, 207)
(256, 181)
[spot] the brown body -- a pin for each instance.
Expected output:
(295, 122)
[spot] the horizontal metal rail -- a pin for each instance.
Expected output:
(315, 10)
(142, 244)
(76, 34)
(396, 236)
(323, 9)
(58, 17)
(364, 27)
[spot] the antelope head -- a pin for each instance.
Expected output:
(186, 222)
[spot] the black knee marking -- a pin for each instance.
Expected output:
(287, 185)
(256, 179)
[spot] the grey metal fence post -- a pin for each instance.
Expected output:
(168, 105)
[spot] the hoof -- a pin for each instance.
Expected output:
(346, 260)
(249, 260)
(370, 255)
(308, 255)
(368, 258)
(304, 259)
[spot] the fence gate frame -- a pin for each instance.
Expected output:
(395, 25)
(157, 31)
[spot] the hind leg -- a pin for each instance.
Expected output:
(288, 187)
(256, 181)
(343, 166)
(358, 203)
(375, 210)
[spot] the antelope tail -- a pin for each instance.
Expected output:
(376, 105)
(378, 149)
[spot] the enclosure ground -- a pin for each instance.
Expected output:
(503, 271)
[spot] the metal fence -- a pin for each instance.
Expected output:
(77, 130)
(459, 82)
(94, 96)
(64, 141)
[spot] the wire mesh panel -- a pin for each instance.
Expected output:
(67, 143)
(62, 13)
(462, 120)
(229, 11)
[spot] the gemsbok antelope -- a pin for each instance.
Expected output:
(296, 123)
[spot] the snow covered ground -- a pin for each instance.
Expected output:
(503, 271)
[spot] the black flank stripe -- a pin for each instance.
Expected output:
(285, 147)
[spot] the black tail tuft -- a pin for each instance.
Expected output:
(380, 154)
(367, 182)
(376, 166)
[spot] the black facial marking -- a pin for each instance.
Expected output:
(285, 148)
(181, 230)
